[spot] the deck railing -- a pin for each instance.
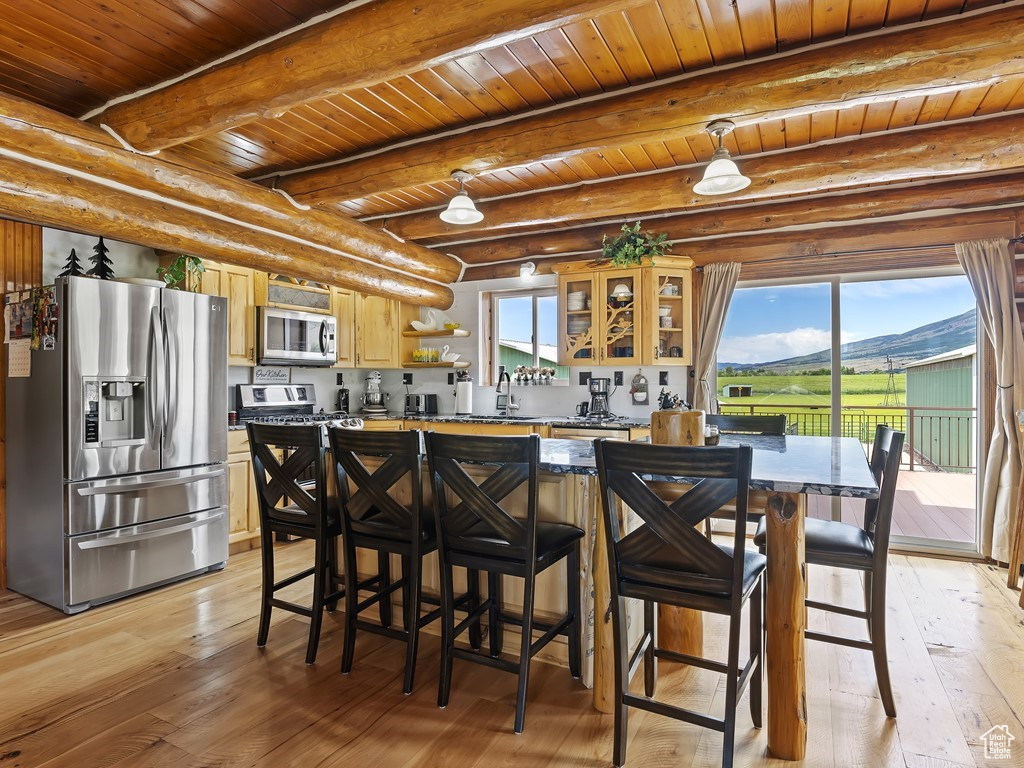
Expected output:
(938, 438)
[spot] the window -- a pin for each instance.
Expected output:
(524, 331)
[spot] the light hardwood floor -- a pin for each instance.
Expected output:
(173, 678)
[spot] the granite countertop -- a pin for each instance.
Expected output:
(540, 421)
(827, 466)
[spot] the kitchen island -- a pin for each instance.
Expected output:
(784, 470)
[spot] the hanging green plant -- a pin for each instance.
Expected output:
(185, 273)
(630, 248)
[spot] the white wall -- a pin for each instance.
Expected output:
(550, 400)
(128, 260)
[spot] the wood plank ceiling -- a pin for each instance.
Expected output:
(943, 121)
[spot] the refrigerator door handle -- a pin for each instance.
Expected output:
(169, 380)
(115, 540)
(156, 375)
(100, 490)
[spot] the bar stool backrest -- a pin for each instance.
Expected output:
(282, 490)
(718, 476)
(751, 425)
(370, 500)
(467, 510)
(886, 455)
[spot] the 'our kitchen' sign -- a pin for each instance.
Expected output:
(262, 374)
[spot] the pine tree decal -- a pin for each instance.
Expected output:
(102, 264)
(72, 267)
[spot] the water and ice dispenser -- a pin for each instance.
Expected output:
(115, 412)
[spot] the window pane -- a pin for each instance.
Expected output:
(775, 355)
(908, 360)
(547, 330)
(515, 332)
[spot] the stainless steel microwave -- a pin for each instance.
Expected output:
(286, 337)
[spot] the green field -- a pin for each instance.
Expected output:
(864, 390)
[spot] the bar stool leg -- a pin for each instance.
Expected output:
(384, 581)
(319, 577)
(267, 555)
(756, 646)
(731, 680)
(524, 648)
(333, 573)
(621, 651)
(495, 630)
(411, 573)
(351, 606)
(473, 589)
(650, 660)
(444, 685)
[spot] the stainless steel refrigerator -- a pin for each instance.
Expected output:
(116, 444)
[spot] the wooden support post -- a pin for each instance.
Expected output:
(679, 629)
(786, 619)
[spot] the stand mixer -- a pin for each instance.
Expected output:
(373, 399)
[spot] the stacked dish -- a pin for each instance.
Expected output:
(574, 300)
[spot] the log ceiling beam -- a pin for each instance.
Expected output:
(359, 48)
(930, 59)
(857, 246)
(971, 147)
(740, 219)
(49, 158)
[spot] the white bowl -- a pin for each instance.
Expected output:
(664, 311)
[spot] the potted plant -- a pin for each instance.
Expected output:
(184, 273)
(633, 245)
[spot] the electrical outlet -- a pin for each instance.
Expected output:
(618, 378)
(407, 378)
(584, 378)
(662, 378)
(341, 379)
(451, 378)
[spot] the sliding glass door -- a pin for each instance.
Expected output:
(840, 357)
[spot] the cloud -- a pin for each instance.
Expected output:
(765, 347)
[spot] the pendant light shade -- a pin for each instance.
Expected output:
(722, 175)
(461, 209)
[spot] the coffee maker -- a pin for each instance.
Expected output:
(599, 398)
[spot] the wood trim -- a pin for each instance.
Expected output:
(21, 267)
(363, 47)
(987, 145)
(746, 218)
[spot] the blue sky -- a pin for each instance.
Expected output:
(516, 319)
(772, 323)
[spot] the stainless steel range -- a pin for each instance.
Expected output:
(287, 404)
(116, 444)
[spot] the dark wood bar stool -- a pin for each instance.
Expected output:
(291, 504)
(477, 533)
(379, 514)
(669, 561)
(861, 548)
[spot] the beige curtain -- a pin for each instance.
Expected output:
(715, 295)
(989, 267)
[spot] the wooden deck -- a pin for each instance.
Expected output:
(173, 679)
(931, 505)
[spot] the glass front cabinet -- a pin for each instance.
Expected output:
(634, 316)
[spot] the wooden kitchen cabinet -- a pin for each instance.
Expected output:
(381, 425)
(377, 332)
(238, 286)
(598, 328)
(344, 301)
(464, 428)
(243, 506)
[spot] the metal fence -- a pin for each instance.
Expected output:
(938, 439)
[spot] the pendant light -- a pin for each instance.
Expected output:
(721, 176)
(461, 209)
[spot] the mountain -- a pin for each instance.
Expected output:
(869, 354)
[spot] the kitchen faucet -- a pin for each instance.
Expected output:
(505, 402)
